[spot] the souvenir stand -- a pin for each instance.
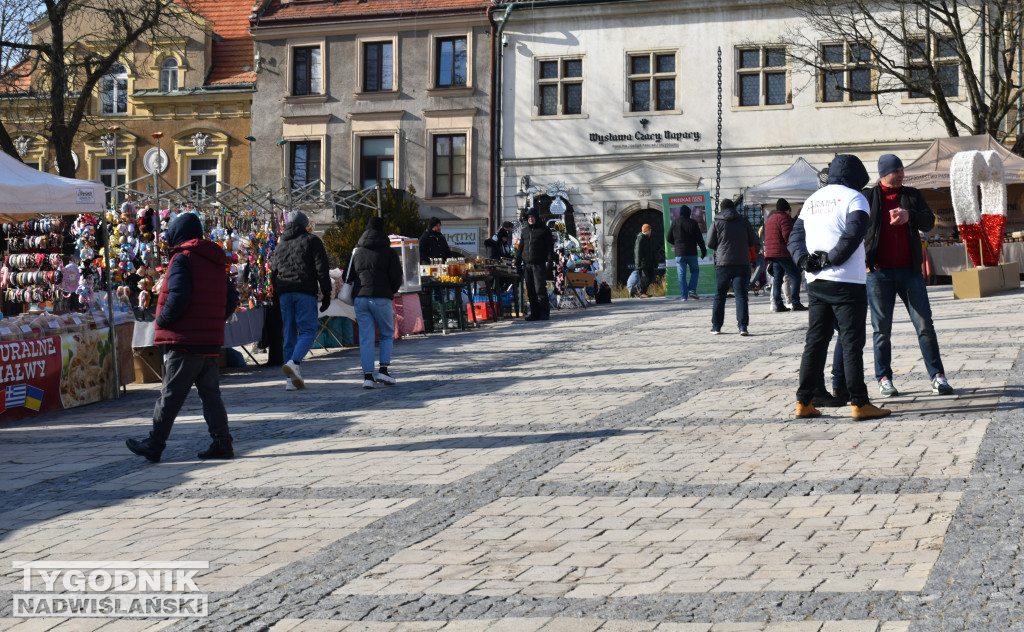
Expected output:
(57, 348)
(577, 255)
(233, 218)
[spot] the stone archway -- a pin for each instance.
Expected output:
(625, 237)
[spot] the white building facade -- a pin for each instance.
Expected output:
(619, 100)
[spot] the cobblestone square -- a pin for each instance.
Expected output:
(614, 469)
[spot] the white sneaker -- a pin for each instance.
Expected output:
(290, 386)
(293, 371)
(383, 378)
(369, 384)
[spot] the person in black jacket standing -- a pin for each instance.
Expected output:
(685, 235)
(375, 274)
(536, 250)
(893, 252)
(731, 237)
(433, 244)
(298, 270)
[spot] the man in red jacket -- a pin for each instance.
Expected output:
(776, 237)
(195, 300)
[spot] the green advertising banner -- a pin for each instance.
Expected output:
(701, 212)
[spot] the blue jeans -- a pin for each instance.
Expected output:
(373, 314)
(739, 278)
(299, 314)
(883, 288)
(682, 263)
(780, 267)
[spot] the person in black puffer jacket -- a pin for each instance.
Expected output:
(375, 274)
(536, 251)
(433, 243)
(298, 269)
(731, 237)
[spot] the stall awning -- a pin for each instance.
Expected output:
(931, 169)
(795, 184)
(26, 193)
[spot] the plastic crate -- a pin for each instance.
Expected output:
(484, 311)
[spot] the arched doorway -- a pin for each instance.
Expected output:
(627, 238)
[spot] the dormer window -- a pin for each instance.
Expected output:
(169, 75)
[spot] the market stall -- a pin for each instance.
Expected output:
(795, 184)
(57, 347)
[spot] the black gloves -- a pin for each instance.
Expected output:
(814, 262)
(703, 254)
(324, 304)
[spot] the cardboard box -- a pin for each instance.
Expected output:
(149, 365)
(981, 282)
(579, 279)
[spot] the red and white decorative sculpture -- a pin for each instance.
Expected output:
(982, 226)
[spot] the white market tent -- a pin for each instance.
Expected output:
(26, 193)
(931, 169)
(795, 184)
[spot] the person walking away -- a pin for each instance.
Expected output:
(298, 270)
(893, 245)
(195, 299)
(536, 250)
(433, 243)
(731, 237)
(776, 239)
(376, 274)
(643, 259)
(827, 242)
(686, 238)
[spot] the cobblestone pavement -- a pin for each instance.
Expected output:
(617, 468)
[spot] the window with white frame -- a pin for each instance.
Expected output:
(378, 66)
(376, 160)
(451, 69)
(846, 73)
(934, 52)
(202, 175)
(169, 75)
(559, 86)
(109, 170)
(114, 90)
(306, 71)
(761, 76)
(305, 163)
(449, 162)
(652, 81)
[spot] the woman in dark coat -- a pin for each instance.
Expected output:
(376, 274)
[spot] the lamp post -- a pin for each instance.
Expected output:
(159, 168)
(107, 258)
(284, 177)
(251, 139)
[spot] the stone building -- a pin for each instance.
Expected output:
(354, 93)
(619, 100)
(194, 89)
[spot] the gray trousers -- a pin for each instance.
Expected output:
(181, 371)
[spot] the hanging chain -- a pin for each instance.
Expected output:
(718, 161)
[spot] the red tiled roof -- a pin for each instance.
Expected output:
(17, 78)
(234, 50)
(353, 10)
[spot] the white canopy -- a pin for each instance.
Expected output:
(795, 184)
(26, 193)
(931, 169)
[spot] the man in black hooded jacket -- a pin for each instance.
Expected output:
(433, 243)
(536, 250)
(827, 243)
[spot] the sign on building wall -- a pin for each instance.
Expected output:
(701, 212)
(467, 239)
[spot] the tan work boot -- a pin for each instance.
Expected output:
(807, 410)
(869, 411)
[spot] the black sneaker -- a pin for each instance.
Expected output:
(145, 448)
(219, 449)
(797, 307)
